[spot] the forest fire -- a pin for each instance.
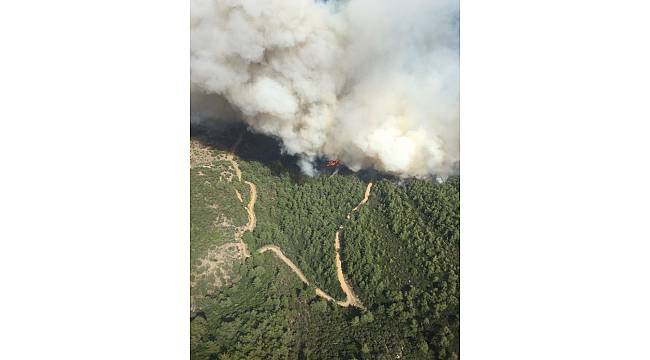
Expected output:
(332, 163)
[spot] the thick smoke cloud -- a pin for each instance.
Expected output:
(373, 83)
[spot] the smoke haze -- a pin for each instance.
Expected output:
(374, 83)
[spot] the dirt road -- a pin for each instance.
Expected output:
(365, 197)
(252, 219)
(350, 296)
(250, 208)
(235, 165)
(278, 252)
(218, 261)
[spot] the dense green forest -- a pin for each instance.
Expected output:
(302, 218)
(400, 253)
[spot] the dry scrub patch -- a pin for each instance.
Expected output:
(223, 222)
(200, 155)
(214, 270)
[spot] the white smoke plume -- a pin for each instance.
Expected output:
(374, 83)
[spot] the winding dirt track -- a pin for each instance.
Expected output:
(278, 252)
(250, 207)
(350, 297)
(252, 220)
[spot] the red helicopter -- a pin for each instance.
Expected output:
(332, 163)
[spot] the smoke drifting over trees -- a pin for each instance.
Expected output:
(374, 83)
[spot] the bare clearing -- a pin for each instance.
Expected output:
(234, 166)
(200, 155)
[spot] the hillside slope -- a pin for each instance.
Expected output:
(399, 252)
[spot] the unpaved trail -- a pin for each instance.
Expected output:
(250, 211)
(278, 252)
(350, 296)
(252, 219)
(218, 262)
(365, 197)
(231, 157)
(235, 165)
(250, 207)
